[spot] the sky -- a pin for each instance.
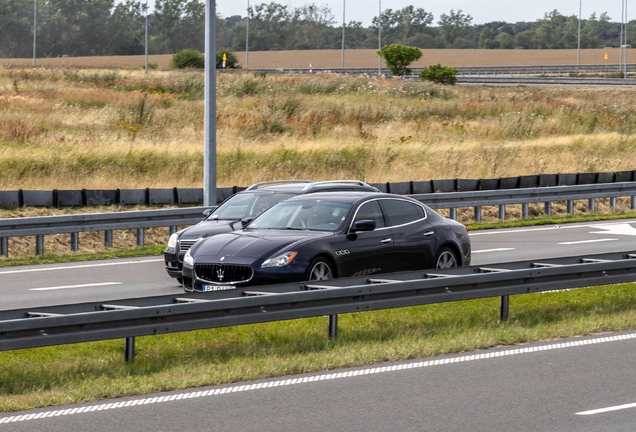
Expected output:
(482, 11)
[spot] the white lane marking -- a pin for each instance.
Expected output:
(587, 241)
(80, 266)
(549, 228)
(75, 286)
(617, 229)
(330, 376)
(603, 410)
(493, 250)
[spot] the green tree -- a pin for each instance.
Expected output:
(454, 26)
(126, 29)
(399, 57)
(400, 25)
(439, 74)
(188, 58)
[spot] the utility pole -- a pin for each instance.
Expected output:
(146, 35)
(380, 36)
(620, 43)
(35, 20)
(343, 29)
(578, 53)
(209, 118)
(625, 56)
(247, 38)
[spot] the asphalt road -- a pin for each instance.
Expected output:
(43, 285)
(582, 384)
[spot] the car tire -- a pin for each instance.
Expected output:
(446, 259)
(319, 269)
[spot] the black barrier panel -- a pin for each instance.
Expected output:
(624, 176)
(161, 197)
(33, 198)
(548, 180)
(10, 199)
(587, 178)
(69, 198)
(422, 187)
(509, 183)
(467, 185)
(191, 196)
(605, 177)
(444, 185)
(223, 193)
(488, 184)
(236, 189)
(382, 187)
(402, 188)
(132, 196)
(529, 181)
(568, 179)
(100, 197)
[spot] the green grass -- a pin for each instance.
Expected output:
(91, 371)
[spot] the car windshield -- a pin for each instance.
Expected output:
(247, 205)
(312, 215)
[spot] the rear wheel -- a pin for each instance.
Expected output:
(446, 259)
(319, 269)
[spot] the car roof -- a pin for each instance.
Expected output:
(348, 197)
(306, 186)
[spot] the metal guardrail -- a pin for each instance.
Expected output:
(107, 222)
(544, 81)
(74, 323)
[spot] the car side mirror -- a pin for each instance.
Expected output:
(246, 221)
(364, 225)
(207, 212)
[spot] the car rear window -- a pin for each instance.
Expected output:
(402, 212)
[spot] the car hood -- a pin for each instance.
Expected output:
(247, 245)
(209, 228)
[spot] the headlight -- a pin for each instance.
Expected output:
(188, 259)
(172, 241)
(280, 260)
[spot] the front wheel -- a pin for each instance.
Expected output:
(445, 259)
(319, 269)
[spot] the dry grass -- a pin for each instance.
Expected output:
(353, 58)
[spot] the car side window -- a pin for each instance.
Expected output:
(402, 212)
(371, 211)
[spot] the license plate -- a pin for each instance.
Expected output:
(218, 287)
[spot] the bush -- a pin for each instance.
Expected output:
(398, 57)
(188, 58)
(439, 74)
(231, 61)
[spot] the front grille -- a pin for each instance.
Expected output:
(184, 245)
(223, 273)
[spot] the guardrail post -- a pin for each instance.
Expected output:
(4, 246)
(333, 326)
(504, 307)
(478, 213)
(129, 349)
(613, 203)
(502, 212)
(591, 205)
(39, 244)
(140, 237)
(633, 206)
(172, 230)
(548, 208)
(570, 205)
(74, 242)
(453, 213)
(524, 210)
(108, 238)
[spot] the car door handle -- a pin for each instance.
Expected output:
(428, 233)
(386, 240)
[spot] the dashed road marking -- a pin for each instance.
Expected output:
(311, 379)
(492, 250)
(81, 266)
(76, 286)
(587, 241)
(608, 409)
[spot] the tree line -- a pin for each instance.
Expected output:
(101, 27)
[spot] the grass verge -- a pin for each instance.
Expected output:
(92, 371)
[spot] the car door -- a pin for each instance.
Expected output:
(369, 251)
(413, 236)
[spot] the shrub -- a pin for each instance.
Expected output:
(188, 58)
(399, 57)
(439, 74)
(231, 61)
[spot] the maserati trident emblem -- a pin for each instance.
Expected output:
(220, 274)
